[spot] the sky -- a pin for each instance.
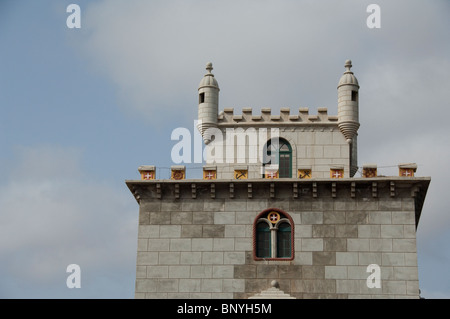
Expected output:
(82, 108)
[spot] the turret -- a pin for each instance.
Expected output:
(348, 113)
(348, 118)
(208, 103)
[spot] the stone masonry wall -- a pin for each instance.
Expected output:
(201, 247)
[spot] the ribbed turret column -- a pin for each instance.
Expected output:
(348, 118)
(208, 103)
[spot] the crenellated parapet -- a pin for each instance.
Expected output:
(285, 117)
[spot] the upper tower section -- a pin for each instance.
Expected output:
(208, 103)
(348, 104)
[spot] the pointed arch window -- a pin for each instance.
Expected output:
(273, 236)
(279, 151)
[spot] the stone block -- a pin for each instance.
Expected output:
(141, 271)
(201, 271)
(203, 218)
(235, 231)
(191, 258)
(150, 206)
(146, 285)
(392, 231)
(213, 231)
(191, 231)
(171, 205)
(348, 286)
(368, 258)
(218, 205)
(303, 231)
(223, 244)
(234, 258)
(194, 205)
(390, 204)
(169, 258)
(179, 271)
(309, 218)
(267, 271)
(380, 244)
(158, 245)
(148, 231)
(245, 218)
(412, 287)
(147, 258)
(244, 271)
(159, 218)
(334, 217)
(358, 244)
(257, 205)
(357, 272)
(347, 231)
(180, 244)
(312, 244)
(380, 218)
(321, 231)
(167, 285)
(366, 204)
(233, 285)
(403, 218)
(204, 244)
(404, 245)
(142, 244)
(342, 204)
(212, 257)
(235, 205)
(290, 271)
(226, 271)
(324, 258)
(315, 286)
(369, 231)
(313, 272)
(347, 258)
(411, 259)
(397, 287)
(256, 285)
(406, 273)
(409, 231)
(303, 258)
(170, 231)
(335, 272)
(157, 272)
(227, 218)
(356, 217)
(178, 218)
(335, 244)
(393, 259)
(323, 204)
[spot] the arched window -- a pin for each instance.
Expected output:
(263, 239)
(284, 240)
(279, 151)
(273, 235)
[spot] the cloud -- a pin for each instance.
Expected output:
(54, 215)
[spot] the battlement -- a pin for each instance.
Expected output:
(285, 117)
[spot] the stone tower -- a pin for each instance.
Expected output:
(348, 111)
(208, 103)
(280, 203)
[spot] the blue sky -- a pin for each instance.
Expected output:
(81, 109)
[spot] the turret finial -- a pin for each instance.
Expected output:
(348, 65)
(209, 67)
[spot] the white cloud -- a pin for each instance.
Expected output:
(53, 215)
